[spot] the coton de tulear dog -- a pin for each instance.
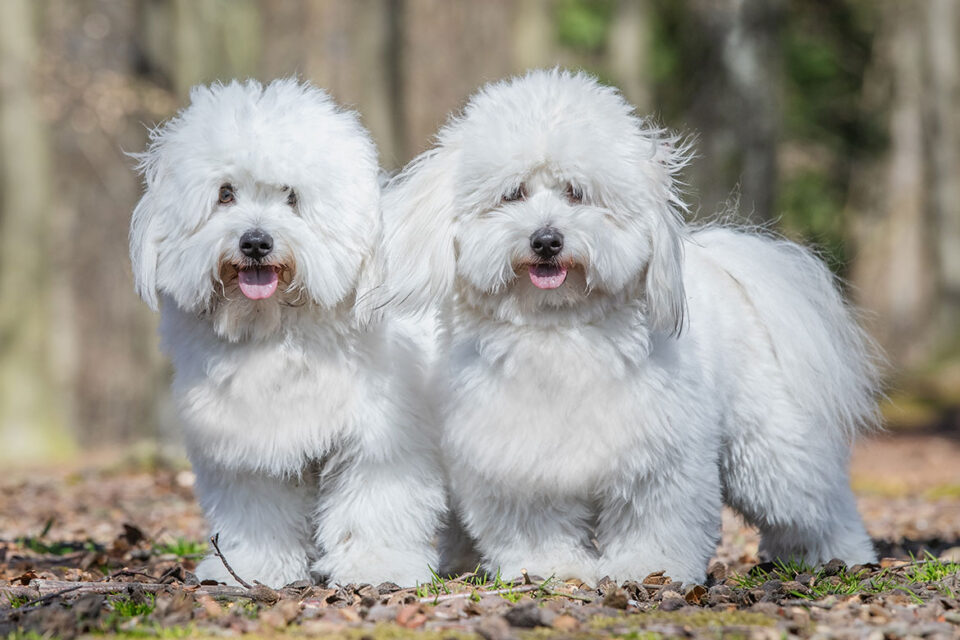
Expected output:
(256, 237)
(612, 376)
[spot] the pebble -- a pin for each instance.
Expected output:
(565, 623)
(616, 598)
(672, 602)
(833, 567)
(382, 613)
(494, 628)
(525, 616)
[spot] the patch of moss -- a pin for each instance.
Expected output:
(16, 602)
(182, 548)
(389, 631)
(24, 635)
(157, 631)
(879, 487)
(943, 491)
(695, 619)
(543, 633)
(126, 607)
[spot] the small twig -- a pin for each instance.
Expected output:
(469, 594)
(50, 596)
(806, 603)
(464, 576)
(54, 588)
(216, 550)
(129, 572)
(915, 563)
(571, 596)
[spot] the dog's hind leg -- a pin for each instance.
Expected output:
(801, 379)
(791, 482)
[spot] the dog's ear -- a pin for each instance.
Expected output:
(367, 304)
(666, 298)
(418, 244)
(144, 241)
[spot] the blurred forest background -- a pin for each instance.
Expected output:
(835, 121)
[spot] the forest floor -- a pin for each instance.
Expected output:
(108, 552)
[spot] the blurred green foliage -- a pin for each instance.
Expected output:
(583, 25)
(827, 50)
(811, 206)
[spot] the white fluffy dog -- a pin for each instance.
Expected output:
(612, 376)
(256, 237)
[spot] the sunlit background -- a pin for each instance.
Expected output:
(836, 122)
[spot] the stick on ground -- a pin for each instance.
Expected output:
(216, 549)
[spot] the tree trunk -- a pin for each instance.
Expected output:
(32, 423)
(533, 35)
(942, 24)
(353, 54)
(628, 52)
(106, 345)
(736, 107)
(895, 267)
(189, 42)
(448, 48)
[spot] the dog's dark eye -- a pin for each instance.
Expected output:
(574, 194)
(520, 193)
(292, 198)
(227, 195)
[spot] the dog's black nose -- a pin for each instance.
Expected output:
(256, 244)
(546, 242)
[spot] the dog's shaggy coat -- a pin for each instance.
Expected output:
(302, 415)
(603, 402)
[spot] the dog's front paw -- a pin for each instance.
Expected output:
(401, 567)
(636, 568)
(559, 568)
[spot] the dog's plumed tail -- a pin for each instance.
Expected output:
(835, 367)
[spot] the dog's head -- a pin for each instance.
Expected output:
(258, 200)
(546, 198)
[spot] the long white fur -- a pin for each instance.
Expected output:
(596, 429)
(302, 412)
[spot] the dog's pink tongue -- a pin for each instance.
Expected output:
(547, 276)
(258, 283)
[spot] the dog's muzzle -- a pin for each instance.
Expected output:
(547, 243)
(257, 281)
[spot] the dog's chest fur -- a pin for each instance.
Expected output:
(269, 405)
(597, 398)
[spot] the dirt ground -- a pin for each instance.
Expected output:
(126, 536)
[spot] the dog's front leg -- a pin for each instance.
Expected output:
(666, 521)
(378, 514)
(261, 523)
(546, 535)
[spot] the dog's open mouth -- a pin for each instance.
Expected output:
(546, 275)
(258, 282)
